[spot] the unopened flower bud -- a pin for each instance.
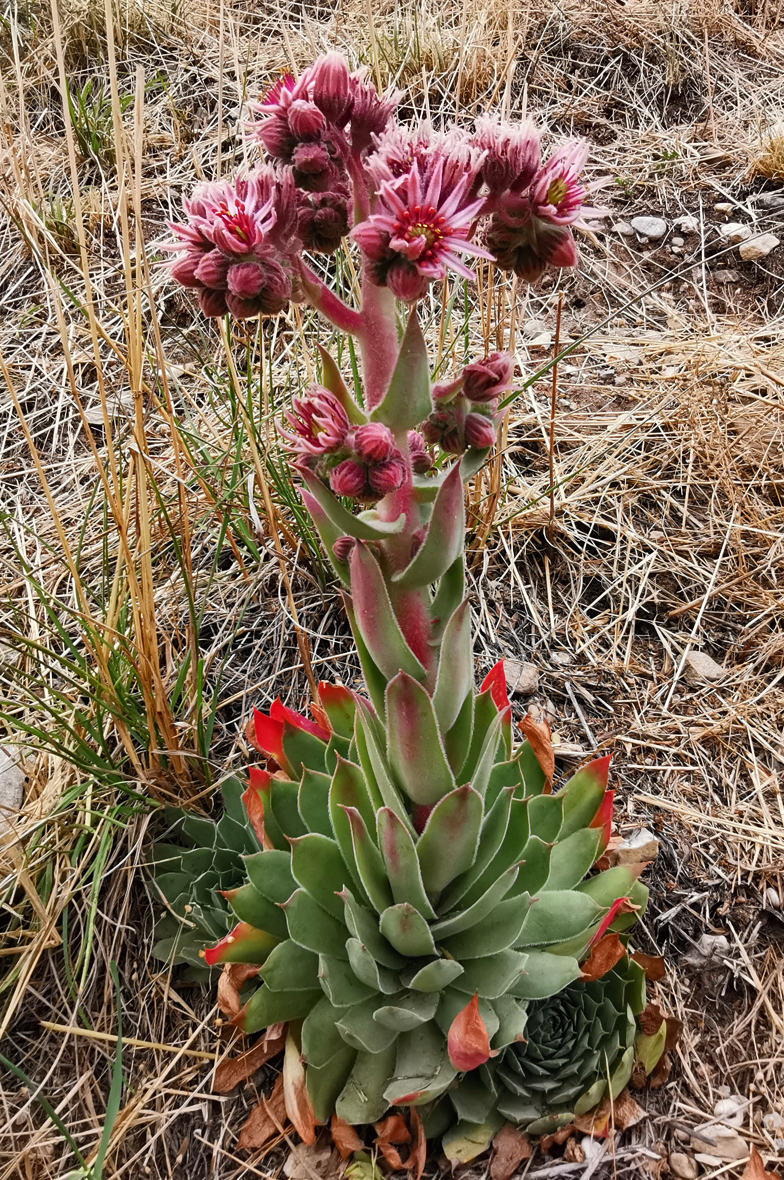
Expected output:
(246, 279)
(374, 442)
(213, 270)
(343, 547)
(329, 76)
(212, 303)
(406, 283)
(484, 380)
(306, 120)
(348, 479)
(387, 477)
(441, 429)
(183, 269)
(276, 136)
(421, 459)
(479, 431)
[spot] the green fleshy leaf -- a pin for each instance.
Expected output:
(570, 859)
(448, 844)
(485, 714)
(316, 865)
(607, 887)
(376, 769)
(290, 968)
(332, 380)
(340, 984)
(532, 776)
(557, 916)
(363, 925)
(313, 801)
(455, 668)
(249, 906)
(336, 745)
(345, 521)
(486, 760)
(407, 930)
(581, 798)
(443, 542)
(448, 596)
(408, 1010)
(497, 931)
(638, 897)
(422, 1069)
(433, 977)
(283, 798)
(270, 873)
(545, 815)
(348, 790)
(502, 776)
(402, 863)
(328, 533)
(407, 402)
(545, 975)
(266, 1007)
(367, 970)
(457, 741)
(376, 619)
(466, 919)
(375, 680)
(622, 1072)
(491, 977)
(535, 867)
(358, 1028)
(302, 749)
(491, 838)
(271, 826)
(512, 1018)
(320, 1037)
(415, 750)
(592, 1097)
(509, 854)
(310, 927)
(472, 1100)
(648, 1049)
(326, 1082)
(370, 865)
(362, 1098)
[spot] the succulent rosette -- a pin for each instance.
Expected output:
(417, 900)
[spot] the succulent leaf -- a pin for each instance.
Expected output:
(414, 746)
(312, 928)
(455, 668)
(402, 862)
(407, 399)
(407, 930)
(249, 906)
(345, 521)
(443, 541)
(368, 860)
(358, 1028)
(447, 846)
(290, 968)
(313, 801)
(316, 865)
(376, 620)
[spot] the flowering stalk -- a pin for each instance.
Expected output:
(415, 886)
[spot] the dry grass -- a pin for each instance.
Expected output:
(146, 603)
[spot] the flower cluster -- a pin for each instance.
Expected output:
(465, 409)
(317, 127)
(235, 247)
(361, 462)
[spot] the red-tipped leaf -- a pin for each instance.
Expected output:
(243, 944)
(603, 819)
(495, 680)
(280, 712)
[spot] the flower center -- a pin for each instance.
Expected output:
(237, 222)
(424, 223)
(557, 191)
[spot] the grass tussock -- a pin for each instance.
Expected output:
(157, 574)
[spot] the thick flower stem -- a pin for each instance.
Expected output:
(377, 339)
(319, 295)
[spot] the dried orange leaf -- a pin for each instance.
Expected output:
(653, 965)
(230, 981)
(266, 1121)
(468, 1043)
(390, 1154)
(344, 1137)
(393, 1129)
(755, 1169)
(510, 1147)
(558, 1137)
(606, 953)
(238, 1069)
(299, 1108)
(417, 1158)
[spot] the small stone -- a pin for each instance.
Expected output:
(771, 201)
(734, 232)
(723, 207)
(774, 901)
(726, 276)
(710, 951)
(562, 658)
(758, 247)
(687, 224)
(681, 1136)
(701, 667)
(12, 779)
(569, 371)
(521, 678)
(533, 329)
(683, 1166)
(727, 1144)
(620, 379)
(677, 241)
(731, 1111)
(640, 846)
(593, 1148)
(709, 1162)
(624, 229)
(773, 1122)
(649, 227)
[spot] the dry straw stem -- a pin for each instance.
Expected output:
(144, 612)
